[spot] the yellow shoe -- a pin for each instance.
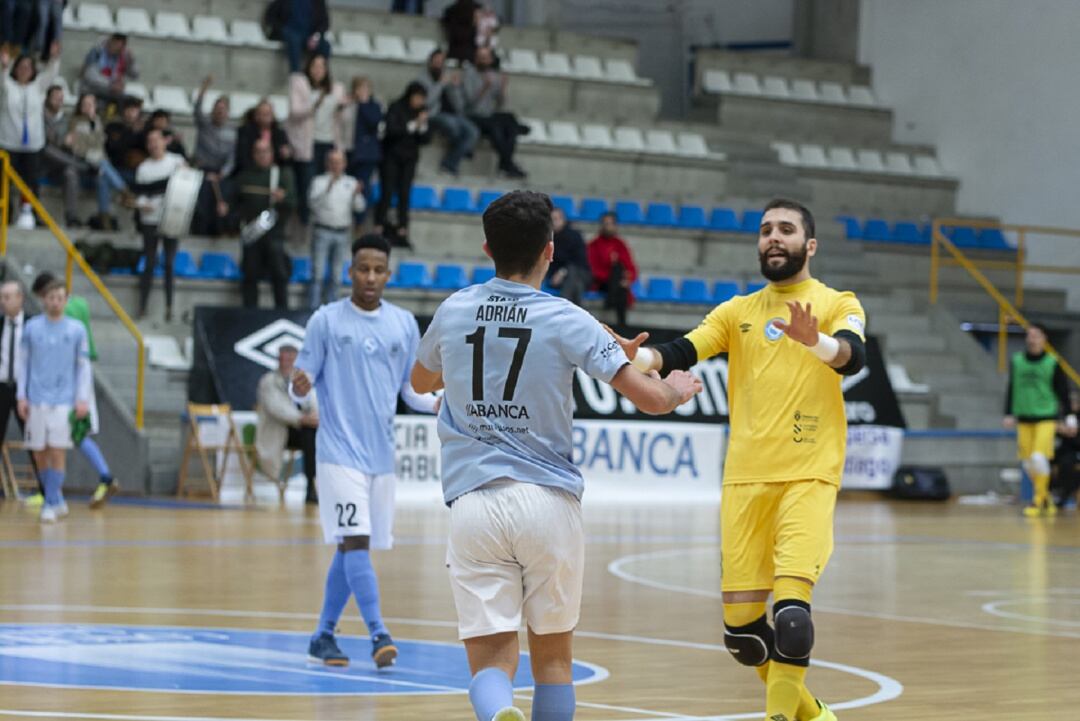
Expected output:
(103, 493)
(34, 501)
(1050, 509)
(1032, 511)
(825, 715)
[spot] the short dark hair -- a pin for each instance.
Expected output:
(52, 88)
(374, 241)
(131, 102)
(609, 214)
(119, 36)
(160, 113)
(44, 282)
(517, 226)
(807, 216)
(437, 51)
(1040, 327)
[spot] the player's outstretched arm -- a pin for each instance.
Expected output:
(426, 381)
(652, 395)
(644, 359)
(843, 352)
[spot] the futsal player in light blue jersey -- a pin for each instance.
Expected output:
(506, 354)
(357, 354)
(54, 381)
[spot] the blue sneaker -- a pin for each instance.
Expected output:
(383, 650)
(324, 650)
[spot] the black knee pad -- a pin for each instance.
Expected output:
(752, 644)
(794, 632)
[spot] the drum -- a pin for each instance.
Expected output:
(181, 196)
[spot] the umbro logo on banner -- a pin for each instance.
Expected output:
(263, 345)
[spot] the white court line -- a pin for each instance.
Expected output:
(994, 609)
(616, 569)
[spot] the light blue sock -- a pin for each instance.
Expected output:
(553, 702)
(490, 692)
(365, 586)
(52, 479)
(335, 596)
(92, 452)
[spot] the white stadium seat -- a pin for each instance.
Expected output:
(833, 93)
(555, 64)
(209, 29)
(171, 98)
(354, 42)
(596, 136)
(842, 159)
(813, 156)
(693, 144)
(172, 25)
(775, 87)
(870, 161)
(69, 18)
(420, 48)
(804, 90)
(660, 141)
(134, 21)
(537, 132)
(241, 102)
(621, 71)
(563, 132)
(861, 95)
(524, 61)
(717, 81)
(630, 139)
(248, 32)
(93, 16)
(927, 165)
(786, 153)
(747, 84)
(898, 163)
(137, 90)
(389, 47)
(280, 104)
(588, 67)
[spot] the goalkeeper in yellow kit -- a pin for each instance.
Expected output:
(788, 345)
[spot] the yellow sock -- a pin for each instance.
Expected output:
(793, 588)
(1041, 482)
(783, 691)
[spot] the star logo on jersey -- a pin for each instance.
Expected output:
(772, 332)
(744, 327)
(262, 346)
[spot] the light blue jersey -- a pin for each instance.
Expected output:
(54, 366)
(358, 362)
(507, 353)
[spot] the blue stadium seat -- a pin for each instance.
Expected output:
(629, 212)
(485, 198)
(724, 290)
(458, 200)
(661, 290)
(185, 266)
(591, 209)
(694, 290)
(423, 197)
(220, 266)
(159, 268)
(593, 295)
(876, 229)
(692, 216)
(346, 279)
(852, 231)
(566, 204)
(992, 239)
(723, 220)
(751, 221)
(411, 275)
(636, 289)
(962, 237)
(376, 192)
(449, 276)
(662, 214)
(908, 233)
(301, 270)
(754, 287)
(482, 274)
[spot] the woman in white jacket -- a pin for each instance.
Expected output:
(22, 118)
(314, 125)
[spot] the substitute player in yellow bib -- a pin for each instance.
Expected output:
(788, 346)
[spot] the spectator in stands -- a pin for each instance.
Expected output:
(406, 130)
(362, 120)
(50, 25)
(333, 197)
(161, 119)
(22, 122)
(485, 94)
(264, 195)
(107, 69)
(1067, 455)
(304, 30)
(125, 144)
(215, 153)
(12, 302)
(407, 7)
(151, 180)
(16, 22)
(60, 165)
(86, 139)
(284, 424)
(260, 125)
(569, 272)
(613, 268)
(314, 126)
(459, 24)
(446, 111)
(487, 28)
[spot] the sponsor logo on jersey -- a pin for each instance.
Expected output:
(744, 327)
(772, 332)
(497, 410)
(857, 323)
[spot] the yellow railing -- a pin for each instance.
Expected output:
(1007, 311)
(74, 258)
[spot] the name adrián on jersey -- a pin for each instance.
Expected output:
(501, 313)
(497, 410)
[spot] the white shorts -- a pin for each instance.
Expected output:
(48, 427)
(516, 549)
(352, 503)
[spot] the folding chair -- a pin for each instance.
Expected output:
(205, 425)
(13, 476)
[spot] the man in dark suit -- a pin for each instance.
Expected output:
(11, 326)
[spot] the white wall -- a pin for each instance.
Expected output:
(993, 84)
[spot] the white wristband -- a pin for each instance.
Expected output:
(1070, 421)
(643, 361)
(826, 348)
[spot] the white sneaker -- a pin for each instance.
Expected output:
(48, 514)
(510, 713)
(62, 509)
(26, 218)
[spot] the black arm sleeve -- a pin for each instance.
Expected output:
(1008, 392)
(1061, 390)
(858, 353)
(677, 355)
(157, 187)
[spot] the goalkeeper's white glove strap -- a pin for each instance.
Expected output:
(643, 361)
(826, 348)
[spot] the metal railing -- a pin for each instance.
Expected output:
(1007, 311)
(9, 177)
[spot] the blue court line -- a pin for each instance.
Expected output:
(174, 504)
(960, 433)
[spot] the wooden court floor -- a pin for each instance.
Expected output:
(940, 612)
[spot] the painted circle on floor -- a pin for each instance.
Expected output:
(229, 661)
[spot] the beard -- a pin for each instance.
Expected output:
(435, 73)
(792, 265)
